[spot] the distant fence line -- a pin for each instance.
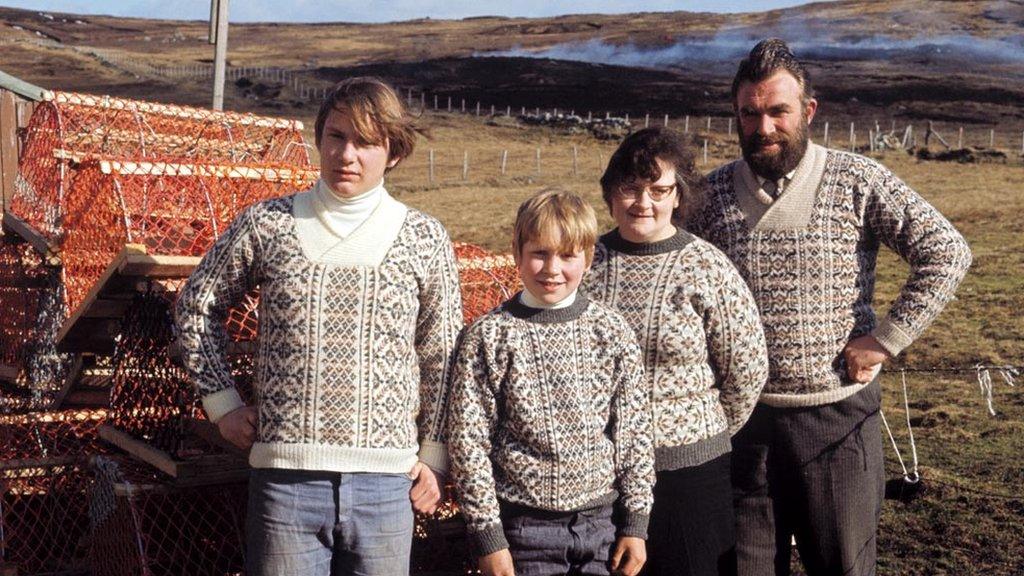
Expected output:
(305, 89)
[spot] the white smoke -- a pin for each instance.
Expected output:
(731, 46)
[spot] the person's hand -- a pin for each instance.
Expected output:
(239, 426)
(864, 357)
(496, 564)
(426, 489)
(629, 556)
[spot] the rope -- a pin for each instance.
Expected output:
(911, 476)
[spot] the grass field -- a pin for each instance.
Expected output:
(969, 518)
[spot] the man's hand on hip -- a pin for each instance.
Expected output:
(864, 357)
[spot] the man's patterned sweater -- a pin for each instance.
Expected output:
(809, 259)
(550, 410)
(697, 323)
(355, 335)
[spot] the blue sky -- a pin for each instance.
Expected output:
(381, 10)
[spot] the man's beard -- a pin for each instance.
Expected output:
(775, 165)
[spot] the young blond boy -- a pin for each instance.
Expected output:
(549, 428)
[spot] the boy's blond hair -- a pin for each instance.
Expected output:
(556, 214)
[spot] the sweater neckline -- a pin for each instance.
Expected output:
(517, 309)
(677, 241)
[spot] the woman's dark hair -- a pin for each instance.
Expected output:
(635, 162)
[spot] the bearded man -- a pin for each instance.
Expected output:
(803, 224)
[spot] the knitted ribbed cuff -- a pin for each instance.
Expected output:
(695, 454)
(220, 403)
(488, 540)
(435, 455)
(891, 337)
(634, 524)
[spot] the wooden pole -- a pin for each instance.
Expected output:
(538, 161)
(8, 145)
(647, 120)
(991, 138)
(709, 123)
(729, 131)
(871, 140)
(492, 109)
(824, 138)
(575, 153)
(666, 120)
(504, 161)
(435, 101)
(590, 116)
(465, 165)
(960, 139)
(449, 103)
(686, 125)
(220, 53)
(430, 173)
(705, 150)
(853, 139)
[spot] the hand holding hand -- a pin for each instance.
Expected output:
(629, 556)
(426, 489)
(864, 357)
(239, 426)
(496, 564)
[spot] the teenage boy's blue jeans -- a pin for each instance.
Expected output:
(314, 523)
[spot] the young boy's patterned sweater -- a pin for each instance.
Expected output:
(550, 410)
(809, 259)
(704, 349)
(355, 334)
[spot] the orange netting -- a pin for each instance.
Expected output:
(66, 127)
(487, 279)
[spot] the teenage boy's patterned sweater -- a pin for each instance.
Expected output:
(704, 349)
(809, 258)
(355, 334)
(551, 411)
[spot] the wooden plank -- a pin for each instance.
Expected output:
(94, 292)
(158, 266)
(87, 398)
(8, 373)
(20, 87)
(69, 382)
(91, 336)
(209, 433)
(42, 245)
(40, 463)
(139, 450)
(8, 146)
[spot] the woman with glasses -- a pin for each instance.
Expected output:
(703, 344)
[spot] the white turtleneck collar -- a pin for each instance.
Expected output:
(528, 299)
(343, 215)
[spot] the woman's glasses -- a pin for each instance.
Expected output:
(657, 193)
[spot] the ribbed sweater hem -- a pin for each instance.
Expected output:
(488, 540)
(814, 399)
(695, 454)
(634, 524)
(332, 458)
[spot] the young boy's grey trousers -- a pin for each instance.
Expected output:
(544, 543)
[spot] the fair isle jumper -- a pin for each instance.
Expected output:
(550, 410)
(697, 323)
(809, 258)
(355, 334)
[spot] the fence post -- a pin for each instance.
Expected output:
(435, 101)
(575, 172)
(449, 103)
(627, 118)
(430, 172)
(537, 113)
(705, 151)
(960, 139)
(991, 138)
(478, 108)
(423, 101)
(853, 138)
(504, 161)
(492, 109)
(508, 111)
(686, 125)
(709, 124)
(522, 111)
(729, 130)
(871, 140)
(589, 116)
(465, 165)
(647, 120)
(538, 161)
(666, 120)
(825, 137)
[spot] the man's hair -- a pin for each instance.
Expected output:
(765, 59)
(377, 114)
(636, 162)
(554, 214)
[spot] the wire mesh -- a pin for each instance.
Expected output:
(143, 526)
(43, 521)
(486, 279)
(66, 127)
